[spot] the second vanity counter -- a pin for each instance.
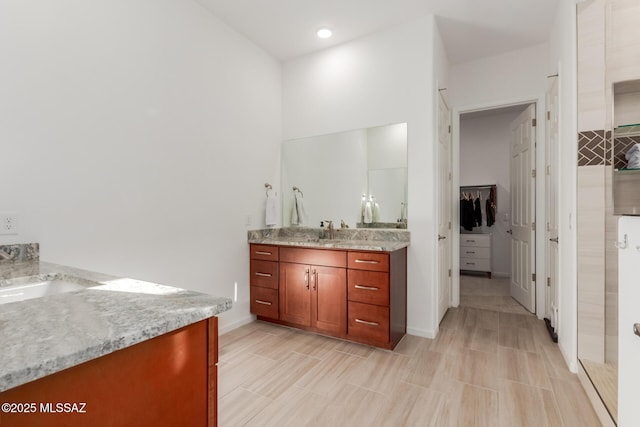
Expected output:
(45, 335)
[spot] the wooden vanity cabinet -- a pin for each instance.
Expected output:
(264, 281)
(313, 289)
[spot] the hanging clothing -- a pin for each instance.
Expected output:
(477, 212)
(491, 207)
(467, 220)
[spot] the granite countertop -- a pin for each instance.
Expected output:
(45, 335)
(347, 239)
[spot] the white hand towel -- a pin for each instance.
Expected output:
(271, 211)
(302, 214)
(368, 215)
(294, 212)
(631, 151)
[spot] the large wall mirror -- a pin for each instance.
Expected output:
(358, 176)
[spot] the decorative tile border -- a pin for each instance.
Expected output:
(19, 253)
(593, 148)
(621, 145)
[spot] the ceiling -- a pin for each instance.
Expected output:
(470, 29)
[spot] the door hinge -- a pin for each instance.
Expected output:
(533, 226)
(449, 272)
(449, 225)
(533, 277)
(533, 173)
(450, 176)
(548, 227)
(549, 281)
(449, 128)
(548, 169)
(534, 122)
(548, 115)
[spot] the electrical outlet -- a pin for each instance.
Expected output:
(8, 223)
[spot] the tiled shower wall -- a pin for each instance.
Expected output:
(608, 48)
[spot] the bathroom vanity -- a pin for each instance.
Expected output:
(117, 352)
(350, 289)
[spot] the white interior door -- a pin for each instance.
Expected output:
(444, 208)
(523, 208)
(551, 182)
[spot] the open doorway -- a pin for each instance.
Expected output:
(497, 209)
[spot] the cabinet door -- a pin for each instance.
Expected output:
(294, 293)
(329, 299)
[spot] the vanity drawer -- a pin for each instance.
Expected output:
(376, 261)
(475, 264)
(475, 252)
(481, 240)
(370, 287)
(264, 252)
(264, 302)
(264, 273)
(368, 321)
(326, 257)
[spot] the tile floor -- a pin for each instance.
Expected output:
(485, 368)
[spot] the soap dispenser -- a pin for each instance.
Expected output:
(322, 231)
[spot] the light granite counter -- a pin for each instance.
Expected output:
(348, 239)
(42, 336)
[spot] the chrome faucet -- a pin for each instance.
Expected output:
(343, 224)
(330, 229)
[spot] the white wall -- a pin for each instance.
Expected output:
(136, 138)
(387, 77)
(484, 160)
(562, 60)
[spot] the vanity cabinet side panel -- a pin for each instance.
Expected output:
(398, 295)
(212, 396)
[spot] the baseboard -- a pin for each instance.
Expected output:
(594, 398)
(424, 333)
(499, 274)
(572, 364)
(234, 325)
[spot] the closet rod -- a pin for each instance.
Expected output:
(478, 187)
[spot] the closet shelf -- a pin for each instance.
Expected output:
(627, 130)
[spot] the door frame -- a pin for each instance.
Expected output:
(540, 193)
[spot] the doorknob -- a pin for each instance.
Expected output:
(510, 231)
(555, 239)
(441, 237)
(636, 329)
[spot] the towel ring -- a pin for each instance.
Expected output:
(298, 190)
(267, 187)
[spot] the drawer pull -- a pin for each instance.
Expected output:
(263, 274)
(366, 322)
(470, 252)
(263, 253)
(367, 261)
(367, 288)
(471, 263)
(263, 302)
(471, 241)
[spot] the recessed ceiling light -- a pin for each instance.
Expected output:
(324, 33)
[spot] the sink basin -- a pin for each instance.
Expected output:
(36, 290)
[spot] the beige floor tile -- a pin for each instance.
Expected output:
(330, 373)
(470, 406)
(354, 349)
(283, 375)
(296, 407)
(381, 371)
(410, 344)
(477, 368)
(523, 405)
(422, 369)
(239, 407)
(244, 368)
(352, 406)
(523, 367)
(313, 345)
(412, 406)
(484, 340)
(573, 404)
(518, 338)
